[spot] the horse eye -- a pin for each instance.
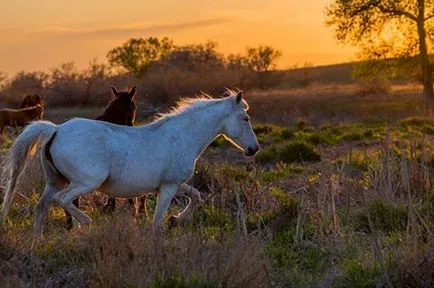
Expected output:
(246, 119)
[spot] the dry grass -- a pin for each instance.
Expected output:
(121, 253)
(334, 104)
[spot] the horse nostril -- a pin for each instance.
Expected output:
(251, 151)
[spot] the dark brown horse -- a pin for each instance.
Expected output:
(122, 111)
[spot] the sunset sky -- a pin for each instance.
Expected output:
(38, 35)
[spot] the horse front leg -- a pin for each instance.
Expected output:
(195, 200)
(165, 196)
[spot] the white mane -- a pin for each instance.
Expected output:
(198, 103)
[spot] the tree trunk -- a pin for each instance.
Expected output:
(423, 54)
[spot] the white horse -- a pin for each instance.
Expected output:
(83, 155)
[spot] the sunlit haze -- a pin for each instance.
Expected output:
(38, 35)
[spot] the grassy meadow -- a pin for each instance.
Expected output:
(340, 195)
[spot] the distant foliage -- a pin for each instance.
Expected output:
(162, 71)
(262, 58)
(137, 54)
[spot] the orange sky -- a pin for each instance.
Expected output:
(38, 35)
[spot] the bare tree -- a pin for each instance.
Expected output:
(95, 79)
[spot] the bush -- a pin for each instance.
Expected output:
(289, 152)
(267, 154)
(413, 121)
(298, 151)
(373, 87)
(263, 128)
(327, 138)
(357, 275)
(384, 217)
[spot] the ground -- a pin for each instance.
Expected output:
(340, 195)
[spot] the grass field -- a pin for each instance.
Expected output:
(340, 195)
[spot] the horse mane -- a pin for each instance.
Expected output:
(201, 101)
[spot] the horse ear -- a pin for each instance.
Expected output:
(239, 96)
(133, 91)
(114, 90)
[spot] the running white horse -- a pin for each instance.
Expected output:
(83, 155)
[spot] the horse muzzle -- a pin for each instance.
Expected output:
(251, 151)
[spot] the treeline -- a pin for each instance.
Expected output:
(162, 71)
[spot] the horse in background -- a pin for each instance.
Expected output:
(20, 117)
(122, 111)
(31, 100)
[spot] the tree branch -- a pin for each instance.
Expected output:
(428, 17)
(387, 10)
(394, 11)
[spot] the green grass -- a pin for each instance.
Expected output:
(289, 152)
(384, 217)
(282, 171)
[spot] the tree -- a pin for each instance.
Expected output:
(194, 57)
(23, 83)
(262, 58)
(94, 77)
(137, 54)
(239, 64)
(371, 23)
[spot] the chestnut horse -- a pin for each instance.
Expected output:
(20, 117)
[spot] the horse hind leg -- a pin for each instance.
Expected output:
(69, 223)
(41, 210)
(65, 199)
(54, 183)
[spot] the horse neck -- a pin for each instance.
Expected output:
(195, 130)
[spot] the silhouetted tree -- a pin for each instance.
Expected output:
(194, 57)
(94, 77)
(262, 58)
(240, 65)
(137, 54)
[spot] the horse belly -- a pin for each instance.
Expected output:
(127, 187)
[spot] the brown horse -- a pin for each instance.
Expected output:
(20, 117)
(31, 100)
(122, 111)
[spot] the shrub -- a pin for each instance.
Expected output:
(384, 217)
(413, 121)
(373, 87)
(263, 128)
(358, 275)
(289, 152)
(267, 154)
(327, 138)
(298, 151)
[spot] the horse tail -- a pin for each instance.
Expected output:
(25, 145)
